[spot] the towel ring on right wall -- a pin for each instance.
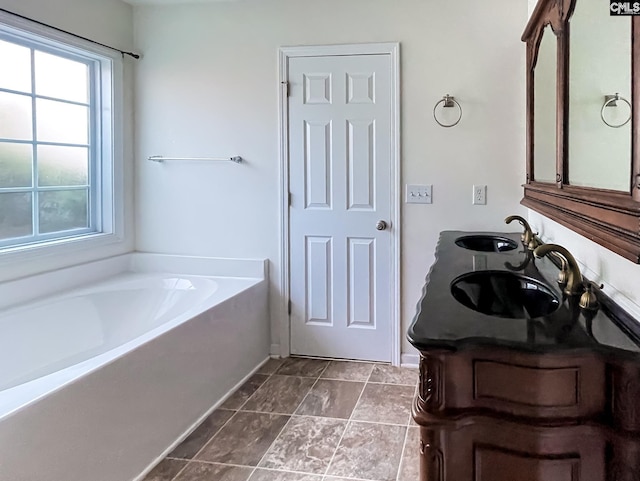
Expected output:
(448, 101)
(610, 101)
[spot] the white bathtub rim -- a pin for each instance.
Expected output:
(113, 279)
(199, 421)
(199, 265)
(32, 288)
(17, 398)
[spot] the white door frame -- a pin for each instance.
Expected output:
(284, 54)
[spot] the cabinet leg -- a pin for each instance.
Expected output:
(431, 459)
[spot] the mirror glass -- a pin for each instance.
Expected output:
(544, 100)
(599, 65)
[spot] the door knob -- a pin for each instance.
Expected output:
(381, 225)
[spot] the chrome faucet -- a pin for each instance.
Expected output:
(528, 237)
(574, 277)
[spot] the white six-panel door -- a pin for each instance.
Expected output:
(340, 172)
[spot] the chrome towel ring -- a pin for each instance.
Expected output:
(610, 101)
(448, 101)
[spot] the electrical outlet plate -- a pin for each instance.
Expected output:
(419, 194)
(479, 194)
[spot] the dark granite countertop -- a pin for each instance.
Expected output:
(442, 322)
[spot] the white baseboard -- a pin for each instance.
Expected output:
(406, 359)
(409, 360)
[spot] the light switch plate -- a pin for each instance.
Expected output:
(419, 194)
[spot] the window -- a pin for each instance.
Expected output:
(57, 146)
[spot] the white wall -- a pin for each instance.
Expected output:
(208, 85)
(105, 21)
(109, 22)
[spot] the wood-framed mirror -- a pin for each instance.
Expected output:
(583, 164)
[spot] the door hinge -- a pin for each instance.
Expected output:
(290, 199)
(286, 88)
(289, 307)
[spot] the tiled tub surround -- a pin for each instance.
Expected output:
(124, 365)
(306, 420)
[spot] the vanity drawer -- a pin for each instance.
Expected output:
(479, 448)
(519, 384)
(499, 465)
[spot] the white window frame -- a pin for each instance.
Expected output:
(109, 188)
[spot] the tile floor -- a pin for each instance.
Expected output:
(306, 420)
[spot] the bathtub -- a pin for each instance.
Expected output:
(107, 366)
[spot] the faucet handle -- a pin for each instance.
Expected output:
(563, 276)
(588, 299)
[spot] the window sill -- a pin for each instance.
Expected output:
(59, 247)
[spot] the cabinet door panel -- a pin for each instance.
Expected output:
(482, 448)
(494, 465)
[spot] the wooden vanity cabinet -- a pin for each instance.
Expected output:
(503, 415)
